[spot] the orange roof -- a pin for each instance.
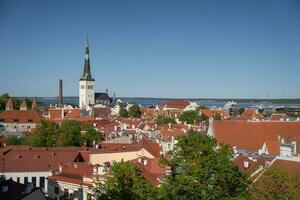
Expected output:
(151, 169)
(29, 159)
(181, 104)
(273, 147)
(74, 173)
(251, 135)
(73, 114)
(291, 166)
(213, 112)
(20, 116)
(277, 116)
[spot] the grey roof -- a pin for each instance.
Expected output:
(101, 96)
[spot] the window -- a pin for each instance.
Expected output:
(42, 182)
(16, 120)
(66, 192)
(82, 86)
(18, 179)
(56, 190)
(33, 181)
(25, 180)
(30, 120)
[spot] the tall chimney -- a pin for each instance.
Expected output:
(60, 93)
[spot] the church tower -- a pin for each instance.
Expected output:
(86, 83)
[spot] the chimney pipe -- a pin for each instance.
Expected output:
(60, 94)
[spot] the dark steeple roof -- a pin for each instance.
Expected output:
(87, 76)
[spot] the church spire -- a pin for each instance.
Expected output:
(87, 76)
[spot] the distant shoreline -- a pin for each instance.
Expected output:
(238, 100)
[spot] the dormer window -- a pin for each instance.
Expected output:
(16, 120)
(30, 120)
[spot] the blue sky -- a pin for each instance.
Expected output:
(197, 49)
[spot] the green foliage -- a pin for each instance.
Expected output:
(3, 100)
(125, 182)
(277, 184)
(134, 111)
(46, 135)
(123, 112)
(91, 135)
(70, 134)
(165, 120)
(192, 117)
(201, 107)
(16, 140)
(203, 170)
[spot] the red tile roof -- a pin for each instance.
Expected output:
(213, 112)
(101, 112)
(291, 166)
(27, 159)
(251, 135)
(151, 169)
(277, 117)
(20, 116)
(74, 173)
(250, 114)
(273, 147)
(73, 114)
(181, 104)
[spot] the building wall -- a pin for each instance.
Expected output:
(82, 190)
(22, 175)
(86, 94)
(101, 157)
(19, 127)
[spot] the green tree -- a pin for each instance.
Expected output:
(3, 99)
(45, 135)
(91, 135)
(123, 112)
(70, 134)
(276, 184)
(165, 120)
(201, 107)
(134, 111)
(16, 140)
(202, 169)
(125, 182)
(190, 117)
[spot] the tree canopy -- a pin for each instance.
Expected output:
(16, 140)
(165, 120)
(123, 112)
(134, 111)
(91, 135)
(125, 182)
(45, 135)
(201, 169)
(276, 184)
(70, 134)
(192, 116)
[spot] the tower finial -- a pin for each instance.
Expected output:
(87, 40)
